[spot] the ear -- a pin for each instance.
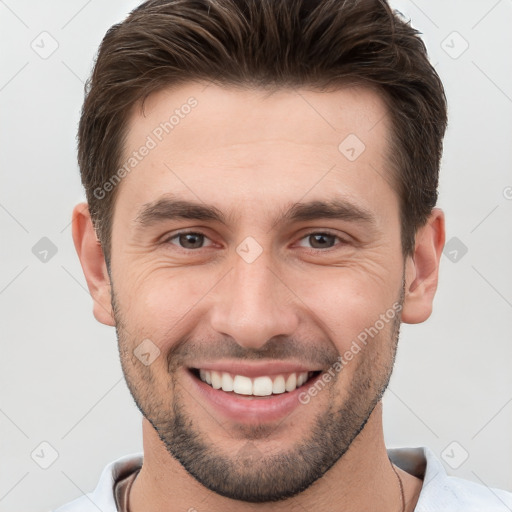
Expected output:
(422, 269)
(93, 263)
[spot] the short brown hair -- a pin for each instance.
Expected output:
(317, 44)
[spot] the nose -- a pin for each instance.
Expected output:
(254, 304)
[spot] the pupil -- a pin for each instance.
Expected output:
(321, 239)
(191, 240)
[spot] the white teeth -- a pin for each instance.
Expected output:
(303, 377)
(216, 380)
(227, 382)
(242, 385)
(262, 386)
(291, 382)
(259, 386)
(278, 386)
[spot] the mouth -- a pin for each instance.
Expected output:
(252, 394)
(262, 386)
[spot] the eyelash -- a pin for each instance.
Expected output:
(310, 249)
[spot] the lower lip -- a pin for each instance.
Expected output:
(250, 409)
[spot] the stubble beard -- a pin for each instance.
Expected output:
(249, 475)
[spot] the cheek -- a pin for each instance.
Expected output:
(349, 300)
(175, 291)
(158, 304)
(164, 304)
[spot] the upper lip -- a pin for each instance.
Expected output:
(255, 370)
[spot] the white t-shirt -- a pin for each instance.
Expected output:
(440, 492)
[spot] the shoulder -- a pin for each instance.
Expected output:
(102, 498)
(443, 493)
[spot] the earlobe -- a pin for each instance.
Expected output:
(422, 269)
(93, 263)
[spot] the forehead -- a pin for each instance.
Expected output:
(215, 144)
(247, 114)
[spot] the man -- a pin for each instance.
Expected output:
(261, 178)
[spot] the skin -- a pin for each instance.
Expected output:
(252, 154)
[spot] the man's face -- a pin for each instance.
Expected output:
(280, 291)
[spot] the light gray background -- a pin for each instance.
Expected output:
(61, 381)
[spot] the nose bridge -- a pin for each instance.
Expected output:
(253, 304)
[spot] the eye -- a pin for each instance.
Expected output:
(321, 240)
(191, 240)
(188, 240)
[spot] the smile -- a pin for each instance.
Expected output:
(264, 385)
(250, 393)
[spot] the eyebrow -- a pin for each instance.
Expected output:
(171, 208)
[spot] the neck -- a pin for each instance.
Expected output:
(363, 479)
